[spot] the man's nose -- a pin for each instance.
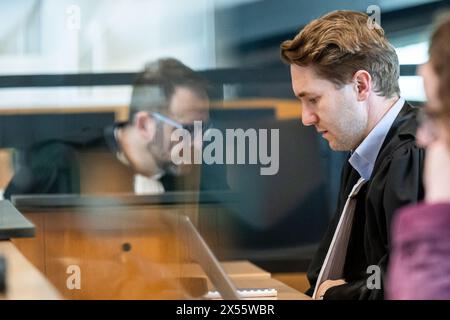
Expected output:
(308, 118)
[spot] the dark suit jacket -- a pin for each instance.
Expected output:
(396, 181)
(51, 167)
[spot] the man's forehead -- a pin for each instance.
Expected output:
(187, 105)
(305, 81)
(302, 70)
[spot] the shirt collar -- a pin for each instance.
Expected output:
(364, 157)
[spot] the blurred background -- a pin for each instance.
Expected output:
(72, 63)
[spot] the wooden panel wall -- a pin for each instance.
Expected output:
(123, 253)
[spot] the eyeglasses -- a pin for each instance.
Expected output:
(189, 127)
(158, 116)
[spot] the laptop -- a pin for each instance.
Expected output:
(202, 254)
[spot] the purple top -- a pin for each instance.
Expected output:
(420, 257)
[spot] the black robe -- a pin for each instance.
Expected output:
(396, 180)
(51, 166)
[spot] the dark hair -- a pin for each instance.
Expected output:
(341, 43)
(154, 87)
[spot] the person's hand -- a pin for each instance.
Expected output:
(327, 285)
(437, 171)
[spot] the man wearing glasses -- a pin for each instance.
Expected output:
(166, 96)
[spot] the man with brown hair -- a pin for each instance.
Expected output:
(345, 73)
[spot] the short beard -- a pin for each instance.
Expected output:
(156, 148)
(351, 138)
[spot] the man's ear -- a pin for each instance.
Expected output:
(363, 83)
(145, 125)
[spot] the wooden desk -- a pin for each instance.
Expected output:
(284, 292)
(245, 274)
(56, 215)
(119, 252)
(24, 281)
(120, 243)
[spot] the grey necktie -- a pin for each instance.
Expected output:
(333, 265)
